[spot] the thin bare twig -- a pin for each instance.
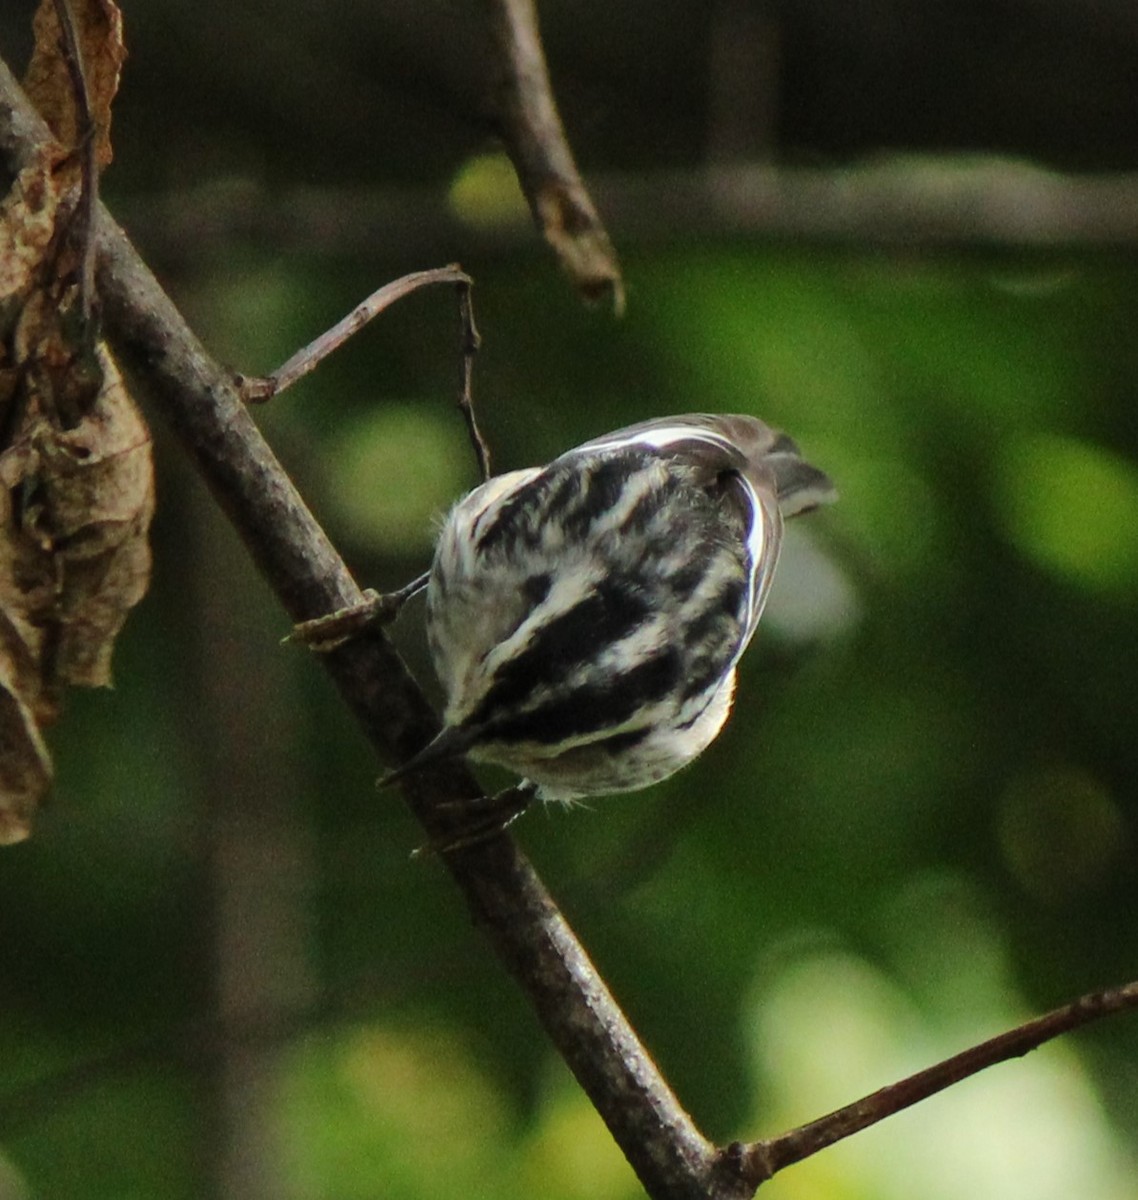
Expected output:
(326, 632)
(535, 140)
(471, 340)
(87, 149)
(256, 389)
(758, 1161)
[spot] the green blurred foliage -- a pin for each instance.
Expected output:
(920, 821)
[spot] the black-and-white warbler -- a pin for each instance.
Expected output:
(586, 618)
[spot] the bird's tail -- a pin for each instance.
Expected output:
(801, 486)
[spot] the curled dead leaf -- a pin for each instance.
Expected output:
(75, 509)
(48, 81)
(73, 552)
(27, 228)
(99, 480)
(76, 477)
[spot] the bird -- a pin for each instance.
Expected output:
(586, 618)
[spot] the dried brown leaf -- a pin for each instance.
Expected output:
(75, 509)
(74, 557)
(48, 81)
(76, 478)
(27, 227)
(25, 764)
(101, 480)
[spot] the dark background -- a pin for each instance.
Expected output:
(220, 972)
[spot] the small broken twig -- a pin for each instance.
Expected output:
(325, 634)
(536, 143)
(87, 149)
(471, 341)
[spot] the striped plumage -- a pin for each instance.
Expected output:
(585, 618)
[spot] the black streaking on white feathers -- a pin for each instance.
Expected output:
(586, 618)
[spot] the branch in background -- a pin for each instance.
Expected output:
(744, 61)
(909, 202)
(535, 140)
(503, 894)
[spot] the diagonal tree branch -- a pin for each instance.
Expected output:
(503, 893)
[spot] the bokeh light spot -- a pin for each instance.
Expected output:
(485, 192)
(1072, 508)
(393, 471)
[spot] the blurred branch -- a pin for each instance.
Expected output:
(535, 140)
(743, 80)
(503, 893)
(909, 202)
(758, 1161)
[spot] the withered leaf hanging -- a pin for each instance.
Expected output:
(76, 477)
